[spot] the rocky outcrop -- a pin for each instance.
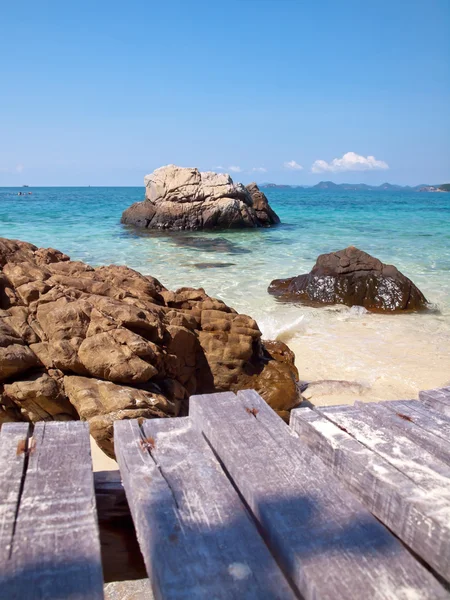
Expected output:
(109, 343)
(179, 198)
(354, 278)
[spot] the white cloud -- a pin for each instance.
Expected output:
(293, 166)
(349, 162)
(235, 169)
(219, 168)
(17, 169)
(259, 170)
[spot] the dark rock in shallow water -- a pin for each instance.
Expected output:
(354, 278)
(214, 265)
(179, 198)
(209, 244)
(109, 343)
(264, 212)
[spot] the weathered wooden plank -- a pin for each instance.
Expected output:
(398, 421)
(197, 539)
(255, 406)
(13, 441)
(55, 549)
(423, 416)
(431, 474)
(442, 394)
(330, 545)
(388, 493)
(438, 399)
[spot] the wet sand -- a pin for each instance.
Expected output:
(377, 357)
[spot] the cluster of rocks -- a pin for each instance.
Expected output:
(354, 278)
(179, 198)
(108, 343)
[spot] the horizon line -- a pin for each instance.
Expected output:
(265, 183)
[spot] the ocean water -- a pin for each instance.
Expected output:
(390, 356)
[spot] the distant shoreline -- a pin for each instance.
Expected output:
(361, 187)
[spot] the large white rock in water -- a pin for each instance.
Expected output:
(184, 198)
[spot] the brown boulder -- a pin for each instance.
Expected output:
(118, 355)
(102, 402)
(25, 272)
(15, 357)
(8, 335)
(14, 251)
(18, 317)
(9, 412)
(64, 324)
(7, 295)
(277, 382)
(354, 278)
(40, 397)
(124, 345)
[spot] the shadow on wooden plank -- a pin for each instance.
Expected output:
(197, 539)
(388, 492)
(310, 521)
(66, 581)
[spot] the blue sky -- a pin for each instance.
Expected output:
(102, 93)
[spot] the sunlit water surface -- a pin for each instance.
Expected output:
(392, 356)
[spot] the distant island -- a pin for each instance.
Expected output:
(276, 185)
(386, 187)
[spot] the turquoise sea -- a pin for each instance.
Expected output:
(389, 355)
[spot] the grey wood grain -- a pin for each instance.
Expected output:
(13, 441)
(422, 467)
(398, 421)
(197, 539)
(412, 514)
(55, 549)
(423, 416)
(327, 541)
(438, 399)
